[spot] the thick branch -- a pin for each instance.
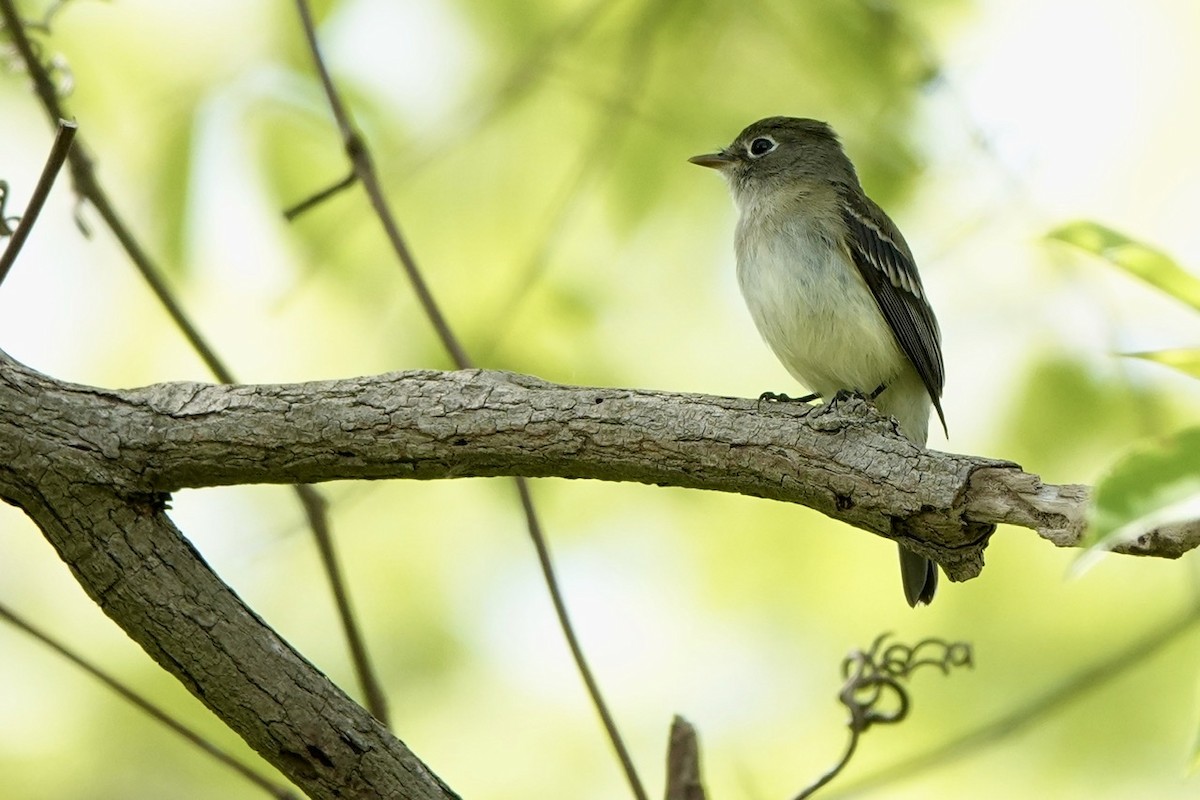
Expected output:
(139, 569)
(89, 466)
(848, 463)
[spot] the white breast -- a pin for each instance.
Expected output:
(812, 306)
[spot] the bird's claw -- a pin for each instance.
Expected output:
(780, 397)
(845, 394)
(842, 395)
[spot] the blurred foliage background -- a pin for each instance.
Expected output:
(535, 152)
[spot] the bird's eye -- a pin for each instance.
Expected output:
(761, 146)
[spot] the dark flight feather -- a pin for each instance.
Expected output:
(886, 264)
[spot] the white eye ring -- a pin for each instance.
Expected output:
(761, 145)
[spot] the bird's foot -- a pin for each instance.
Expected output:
(830, 405)
(841, 396)
(780, 397)
(845, 394)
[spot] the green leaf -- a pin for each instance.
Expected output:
(1156, 484)
(1184, 359)
(1140, 260)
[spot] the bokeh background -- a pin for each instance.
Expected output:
(535, 153)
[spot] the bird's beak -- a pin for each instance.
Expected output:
(717, 160)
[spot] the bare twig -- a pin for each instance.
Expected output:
(144, 705)
(54, 162)
(83, 175)
(88, 187)
(318, 522)
(360, 159)
(564, 621)
(317, 198)
(364, 170)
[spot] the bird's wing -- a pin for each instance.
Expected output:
(886, 264)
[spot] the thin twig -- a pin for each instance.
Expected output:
(144, 705)
(360, 158)
(83, 175)
(315, 199)
(564, 621)
(54, 163)
(318, 521)
(88, 187)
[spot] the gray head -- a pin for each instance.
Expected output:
(779, 152)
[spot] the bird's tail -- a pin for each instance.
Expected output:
(920, 576)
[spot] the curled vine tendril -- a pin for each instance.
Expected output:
(873, 691)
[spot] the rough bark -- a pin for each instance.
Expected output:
(93, 468)
(847, 463)
(111, 530)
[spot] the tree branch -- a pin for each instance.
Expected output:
(89, 187)
(144, 574)
(91, 467)
(847, 463)
(359, 155)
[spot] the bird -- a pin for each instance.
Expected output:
(831, 284)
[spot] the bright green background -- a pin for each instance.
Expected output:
(535, 153)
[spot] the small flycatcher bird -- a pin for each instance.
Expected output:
(831, 283)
